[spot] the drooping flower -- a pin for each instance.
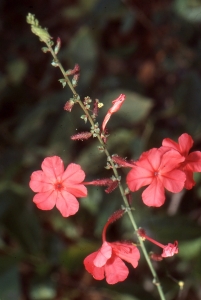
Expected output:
(168, 250)
(158, 169)
(107, 261)
(56, 186)
(192, 161)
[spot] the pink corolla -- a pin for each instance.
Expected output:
(56, 186)
(192, 161)
(108, 263)
(157, 168)
(168, 250)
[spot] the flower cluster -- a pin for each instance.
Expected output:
(169, 167)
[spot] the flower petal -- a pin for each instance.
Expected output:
(189, 183)
(138, 177)
(97, 273)
(66, 203)
(170, 160)
(115, 270)
(39, 182)
(154, 194)
(46, 200)
(78, 190)
(170, 144)
(174, 180)
(185, 143)
(53, 166)
(170, 249)
(103, 254)
(150, 160)
(127, 252)
(73, 174)
(193, 161)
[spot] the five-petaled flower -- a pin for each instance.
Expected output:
(192, 161)
(107, 261)
(157, 168)
(56, 186)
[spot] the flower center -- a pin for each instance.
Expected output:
(58, 186)
(155, 173)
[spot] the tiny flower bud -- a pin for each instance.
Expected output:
(122, 162)
(45, 49)
(112, 186)
(100, 182)
(54, 63)
(63, 82)
(81, 136)
(75, 80)
(84, 117)
(42, 33)
(96, 108)
(115, 216)
(69, 105)
(58, 46)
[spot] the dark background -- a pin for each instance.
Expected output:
(149, 50)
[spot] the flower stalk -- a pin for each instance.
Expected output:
(45, 37)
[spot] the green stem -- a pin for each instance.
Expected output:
(131, 217)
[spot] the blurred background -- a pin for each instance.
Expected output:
(149, 50)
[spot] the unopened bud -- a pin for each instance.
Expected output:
(69, 105)
(58, 46)
(81, 136)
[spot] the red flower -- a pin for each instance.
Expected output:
(192, 161)
(157, 168)
(107, 261)
(54, 186)
(168, 250)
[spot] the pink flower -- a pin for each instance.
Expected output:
(54, 186)
(168, 250)
(158, 169)
(192, 161)
(107, 261)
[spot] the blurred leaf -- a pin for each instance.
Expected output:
(188, 102)
(189, 9)
(43, 292)
(24, 226)
(190, 249)
(66, 226)
(16, 70)
(34, 125)
(83, 50)
(72, 258)
(10, 284)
